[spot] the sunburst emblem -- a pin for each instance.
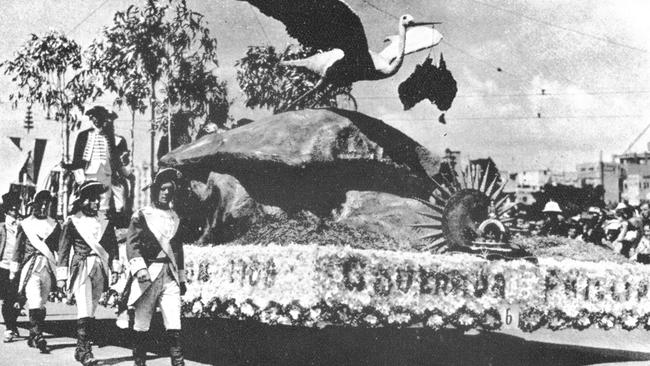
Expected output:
(458, 206)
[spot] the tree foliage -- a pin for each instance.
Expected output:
(163, 42)
(267, 84)
(46, 70)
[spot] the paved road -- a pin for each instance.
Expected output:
(60, 336)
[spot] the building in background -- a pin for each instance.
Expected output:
(635, 176)
(607, 174)
(529, 182)
(565, 178)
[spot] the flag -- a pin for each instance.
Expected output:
(39, 152)
(26, 174)
(16, 141)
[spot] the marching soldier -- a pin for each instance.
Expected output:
(36, 243)
(155, 254)
(9, 289)
(87, 259)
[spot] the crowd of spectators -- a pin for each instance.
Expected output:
(624, 229)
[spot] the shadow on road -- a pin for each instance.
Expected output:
(229, 342)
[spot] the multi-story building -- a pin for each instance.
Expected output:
(529, 182)
(606, 174)
(636, 176)
(565, 178)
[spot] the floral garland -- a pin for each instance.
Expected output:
(315, 286)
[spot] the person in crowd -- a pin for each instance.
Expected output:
(574, 231)
(155, 254)
(101, 155)
(9, 289)
(593, 227)
(87, 261)
(645, 213)
(553, 221)
(630, 230)
(36, 242)
(641, 253)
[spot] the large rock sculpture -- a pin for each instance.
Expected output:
(310, 159)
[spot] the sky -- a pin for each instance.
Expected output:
(590, 58)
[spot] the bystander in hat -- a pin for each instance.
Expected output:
(552, 207)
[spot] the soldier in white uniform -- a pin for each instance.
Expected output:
(36, 243)
(157, 276)
(88, 258)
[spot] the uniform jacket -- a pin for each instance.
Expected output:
(147, 244)
(26, 250)
(116, 152)
(3, 237)
(74, 249)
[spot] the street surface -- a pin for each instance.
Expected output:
(59, 332)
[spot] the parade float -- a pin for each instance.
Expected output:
(454, 275)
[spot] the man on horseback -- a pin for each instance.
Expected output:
(101, 155)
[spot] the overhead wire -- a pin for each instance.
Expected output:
(524, 117)
(518, 77)
(546, 94)
(259, 22)
(88, 16)
(553, 25)
(556, 56)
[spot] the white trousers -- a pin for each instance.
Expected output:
(88, 293)
(38, 288)
(165, 293)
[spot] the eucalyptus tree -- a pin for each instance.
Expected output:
(268, 84)
(46, 71)
(144, 48)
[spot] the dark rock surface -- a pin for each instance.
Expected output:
(310, 159)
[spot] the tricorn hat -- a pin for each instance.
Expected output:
(90, 188)
(10, 200)
(166, 175)
(163, 176)
(102, 113)
(87, 189)
(40, 197)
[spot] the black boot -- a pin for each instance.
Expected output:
(32, 328)
(139, 349)
(10, 314)
(84, 353)
(175, 347)
(36, 320)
